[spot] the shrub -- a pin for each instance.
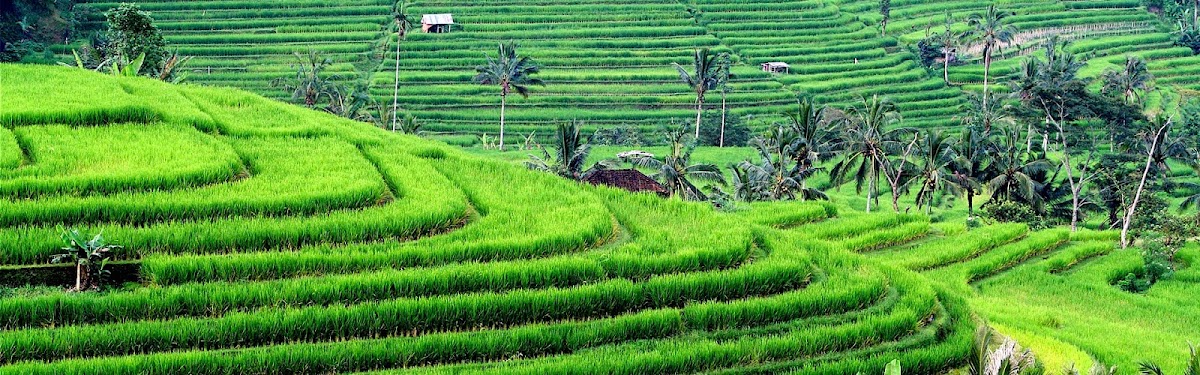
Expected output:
(737, 133)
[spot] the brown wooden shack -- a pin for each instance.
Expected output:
(627, 179)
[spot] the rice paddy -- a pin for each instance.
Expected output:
(260, 237)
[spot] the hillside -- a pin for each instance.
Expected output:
(264, 238)
(609, 62)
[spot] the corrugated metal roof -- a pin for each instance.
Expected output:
(437, 19)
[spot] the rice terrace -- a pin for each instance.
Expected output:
(600, 187)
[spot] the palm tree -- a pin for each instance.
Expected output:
(676, 170)
(309, 83)
(867, 145)
(403, 24)
(724, 62)
(948, 41)
(705, 76)
(937, 157)
(1133, 77)
(984, 116)
(816, 127)
(571, 153)
(971, 159)
(784, 165)
(885, 13)
(994, 32)
(1012, 174)
(512, 73)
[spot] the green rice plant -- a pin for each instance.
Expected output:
(886, 237)
(207, 300)
(956, 248)
(1074, 253)
(531, 340)
(422, 206)
(11, 155)
(408, 316)
(115, 158)
(287, 176)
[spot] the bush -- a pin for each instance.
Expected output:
(1008, 211)
(737, 133)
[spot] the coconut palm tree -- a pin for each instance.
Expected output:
(310, 82)
(704, 76)
(1012, 173)
(1128, 81)
(676, 171)
(570, 154)
(994, 33)
(970, 165)
(511, 72)
(948, 41)
(403, 24)
(867, 145)
(783, 167)
(724, 63)
(937, 157)
(984, 116)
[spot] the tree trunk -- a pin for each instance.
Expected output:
(396, 88)
(1137, 196)
(870, 186)
(723, 113)
(987, 69)
(970, 203)
(503, 105)
(78, 276)
(699, 111)
(1028, 138)
(883, 27)
(946, 66)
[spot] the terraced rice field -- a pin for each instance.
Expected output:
(1102, 32)
(605, 62)
(305, 243)
(608, 62)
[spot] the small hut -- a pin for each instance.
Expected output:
(627, 179)
(437, 23)
(776, 67)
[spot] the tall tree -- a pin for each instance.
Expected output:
(132, 33)
(983, 116)
(1011, 176)
(1161, 127)
(403, 24)
(970, 165)
(993, 31)
(705, 76)
(511, 72)
(948, 41)
(885, 12)
(937, 157)
(724, 63)
(1129, 81)
(782, 169)
(866, 143)
(676, 171)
